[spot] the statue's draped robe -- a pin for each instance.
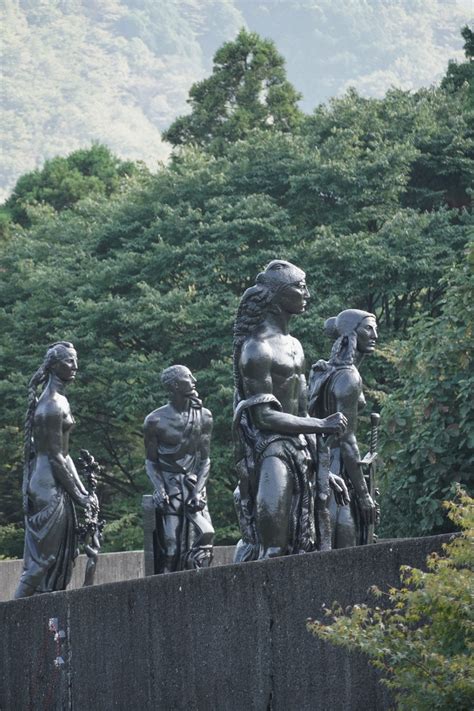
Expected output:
(180, 465)
(299, 454)
(50, 542)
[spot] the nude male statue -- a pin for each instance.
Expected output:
(177, 443)
(275, 446)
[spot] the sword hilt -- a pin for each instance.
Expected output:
(374, 431)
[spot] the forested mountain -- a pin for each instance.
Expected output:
(118, 71)
(142, 269)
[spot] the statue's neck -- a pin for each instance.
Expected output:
(183, 403)
(278, 321)
(56, 385)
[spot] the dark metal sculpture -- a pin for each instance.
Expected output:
(275, 447)
(336, 384)
(51, 484)
(90, 532)
(177, 443)
(369, 467)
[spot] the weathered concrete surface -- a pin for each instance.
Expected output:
(230, 638)
(111, 568)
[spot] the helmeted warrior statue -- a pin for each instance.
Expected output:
(177, 443)
(336, 384)
(275, 446)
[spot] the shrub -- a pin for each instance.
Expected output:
(422, 638)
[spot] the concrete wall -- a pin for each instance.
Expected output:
(111, 568)
(230, 638)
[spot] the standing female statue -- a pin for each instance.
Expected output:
(51, 484)
(336, 385)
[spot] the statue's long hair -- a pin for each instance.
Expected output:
(54, 354)
(253, 308)
(344, 350)
(255, 304)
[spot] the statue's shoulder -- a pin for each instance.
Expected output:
(206, 417)
(346, 380)
(52, 407)
(255, 348)
(297, 345)
(154, 418)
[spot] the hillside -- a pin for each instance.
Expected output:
(118, 71)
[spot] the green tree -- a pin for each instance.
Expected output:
(468, 35)
(422, 638)
(460, 73)
(248, 89)
(428, 438)
(149, 273)
(61, 182)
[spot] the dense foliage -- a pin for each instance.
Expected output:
(361, 194)
(248, 89)
(118, 71)
(62, 182)
(422, 636)
(428, 433)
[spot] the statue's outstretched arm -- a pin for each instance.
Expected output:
(256, 364)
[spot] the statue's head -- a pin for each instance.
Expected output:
(281, 286)
(178, 380)
(61, 360)
(353, 330)
(286, 286)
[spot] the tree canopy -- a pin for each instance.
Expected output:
(370, 196)
(248, 89)
(118, 71)
(62, 182)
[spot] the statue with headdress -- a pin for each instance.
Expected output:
(337, 383)
(281, 500)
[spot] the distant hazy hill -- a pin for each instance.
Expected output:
(118, 71)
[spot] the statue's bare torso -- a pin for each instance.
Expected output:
(271, 362)
(274, 363)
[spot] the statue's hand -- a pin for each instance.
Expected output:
(84, 500)
(334, 424)
(161, 500)
(195, 503)
(93, 502)
(339, 487)
(367, 509)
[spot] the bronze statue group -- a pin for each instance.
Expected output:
(302, 483)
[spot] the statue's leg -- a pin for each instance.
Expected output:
(273, 506)
(345, 533)
(24, 590)
(33, 575)
(333, 513)
(200, 554)
(171, 528)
